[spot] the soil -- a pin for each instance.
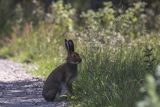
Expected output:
(20, 89)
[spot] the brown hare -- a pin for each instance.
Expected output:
(63, 74)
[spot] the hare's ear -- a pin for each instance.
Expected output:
(71, 45)
(67, 45)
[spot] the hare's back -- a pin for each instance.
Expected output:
(57, 74)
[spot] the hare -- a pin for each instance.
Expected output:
(63, 74)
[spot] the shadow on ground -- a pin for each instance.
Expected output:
(26, 93)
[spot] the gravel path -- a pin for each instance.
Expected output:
(19, 89)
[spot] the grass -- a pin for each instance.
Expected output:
(113, 82)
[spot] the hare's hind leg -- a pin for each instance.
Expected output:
(50, 95)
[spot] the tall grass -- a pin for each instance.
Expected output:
(108, 79)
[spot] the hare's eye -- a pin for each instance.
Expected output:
(74, 55)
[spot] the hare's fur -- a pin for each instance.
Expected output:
(63, 74)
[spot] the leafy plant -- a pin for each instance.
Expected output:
(152, 99)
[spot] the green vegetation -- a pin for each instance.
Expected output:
(117, 48)
(152, 85)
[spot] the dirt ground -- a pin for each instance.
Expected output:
(20, 89)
